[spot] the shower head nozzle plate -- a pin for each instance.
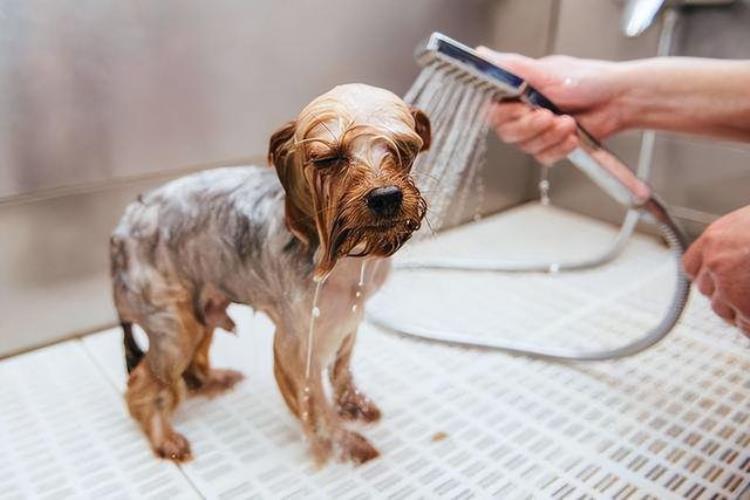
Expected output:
(458, 56)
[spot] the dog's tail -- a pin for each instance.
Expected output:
(133, 352)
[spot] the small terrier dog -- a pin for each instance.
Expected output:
(342, 192)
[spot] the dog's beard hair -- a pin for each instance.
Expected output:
(345, 229)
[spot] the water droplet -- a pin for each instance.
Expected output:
(315, 312)
(321, 279)
(354, 308)
(358, 294)
(554, 268)
(362, 273)
(544, 186)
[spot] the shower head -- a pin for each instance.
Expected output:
(442, 49)
(598, 163)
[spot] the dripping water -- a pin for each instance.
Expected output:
(314, 315)
(360, 286)
(544, 186)
(362, 273)
(449, 175)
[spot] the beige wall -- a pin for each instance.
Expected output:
(103, 100)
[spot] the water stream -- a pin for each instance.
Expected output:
(449, 175)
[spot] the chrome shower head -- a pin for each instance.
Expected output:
(599, 164)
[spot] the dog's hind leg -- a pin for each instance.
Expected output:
(350, 402)
(201, 379)
(155, 386)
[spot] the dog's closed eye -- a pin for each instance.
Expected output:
(329, 161)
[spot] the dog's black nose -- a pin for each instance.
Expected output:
(385, 201)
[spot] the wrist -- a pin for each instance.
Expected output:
(628, 108)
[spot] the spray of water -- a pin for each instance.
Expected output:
(451, 170)
(360, 286)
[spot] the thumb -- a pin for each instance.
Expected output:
(526, 67)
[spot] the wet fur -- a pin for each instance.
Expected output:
(256, 236)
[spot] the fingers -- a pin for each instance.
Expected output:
(722, 309)
(693, 258)
(538, 132)
(744, 325)
(527, 126)
(516, 122)
(705, 283)
(701, 276)
(560, 129)
(525, 67)
(557, 152)
(717, 265)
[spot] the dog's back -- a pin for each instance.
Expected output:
(175, 240)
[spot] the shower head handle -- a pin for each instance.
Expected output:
(597, 162)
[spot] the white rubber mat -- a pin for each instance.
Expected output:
(673, 422)
(64, 433)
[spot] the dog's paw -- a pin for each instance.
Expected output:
(216, 382)
(353, 405)
(354, 447)
(175, 447)
(321, 450)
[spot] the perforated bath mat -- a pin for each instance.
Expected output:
(673, 422)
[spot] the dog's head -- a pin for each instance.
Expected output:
(344, 164)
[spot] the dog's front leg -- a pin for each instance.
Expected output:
(305, 397)
(350, 402)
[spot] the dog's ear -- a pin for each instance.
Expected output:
(297, 203)
(280, 144)
(422, 127)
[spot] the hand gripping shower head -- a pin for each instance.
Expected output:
(604, 168)
(444, 55)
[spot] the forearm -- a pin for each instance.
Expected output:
(689, 95)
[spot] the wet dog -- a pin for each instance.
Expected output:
(341, 194)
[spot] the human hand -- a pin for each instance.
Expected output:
(586, 89)
(719, 264)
